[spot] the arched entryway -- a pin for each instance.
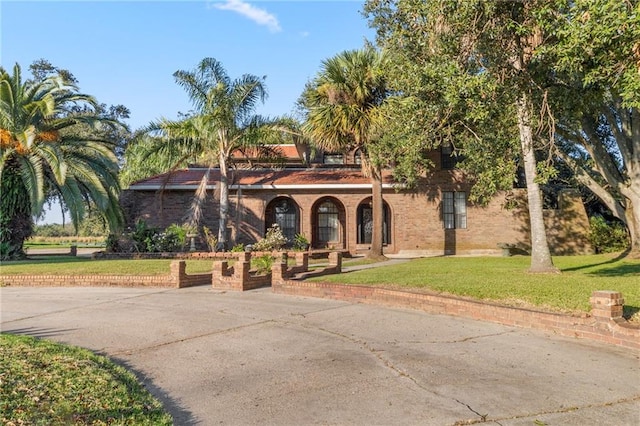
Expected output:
(286, 213)
(328, 222)
(365, 222)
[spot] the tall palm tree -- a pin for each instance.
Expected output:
(224, 121)
(344, 112)
(51, 145)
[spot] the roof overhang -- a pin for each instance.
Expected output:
(263, 187)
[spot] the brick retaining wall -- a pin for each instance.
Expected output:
(177, 278)
(604, 324)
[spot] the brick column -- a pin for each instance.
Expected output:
(177, 268)
(606, 305)
(335, 260)
(302, 260)
(242, 267)
(279, 270)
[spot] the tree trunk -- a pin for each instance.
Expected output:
(222, 244)
(375, 251)
(632, 214)
(16, 224)
(540, 255)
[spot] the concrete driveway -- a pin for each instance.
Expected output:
(251, 358)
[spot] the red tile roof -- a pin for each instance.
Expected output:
(286, 151)
(189, 178)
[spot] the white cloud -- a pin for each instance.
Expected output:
(305, 34)
(257, 15)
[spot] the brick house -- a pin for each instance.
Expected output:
(326, 198)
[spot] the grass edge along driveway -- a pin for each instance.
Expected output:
(42, 382)
(500, 279)
(505, 280)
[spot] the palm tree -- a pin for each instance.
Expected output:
(223, 122)
(52, 144)
(344, 112)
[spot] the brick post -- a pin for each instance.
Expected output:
(302, 261)
(74, 250)
(335, 260)
(178, 268)
(241, 268)
(279, 270)
(606, 305)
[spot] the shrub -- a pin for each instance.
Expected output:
(262, 264)
(273, 240)
(238, 248)
(300, 243)
(145, 239)
(174, 238)
(607, 237)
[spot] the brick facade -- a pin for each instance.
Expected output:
(415, 224)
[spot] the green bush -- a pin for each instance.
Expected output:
(174, 238)
(262, 264)
(607, 237)
(238, 248)
(145, 239)
(300, 243)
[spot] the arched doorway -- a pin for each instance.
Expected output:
(286, 213)
(328, 223)
(365, 222)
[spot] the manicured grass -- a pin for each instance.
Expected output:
(506, 280)
(502, 279)
(66, 265)
(63, 265)
(44, 383)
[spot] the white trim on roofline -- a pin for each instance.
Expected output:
(156, 187)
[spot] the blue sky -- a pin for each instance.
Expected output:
(125, 52)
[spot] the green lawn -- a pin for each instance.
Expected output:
(63, 265)
(505, 279)
(44, 383)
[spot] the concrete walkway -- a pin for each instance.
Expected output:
(253, 358)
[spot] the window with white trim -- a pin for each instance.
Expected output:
(328, 222)
(454, 210)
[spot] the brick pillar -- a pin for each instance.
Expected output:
(335, 260)
(279, 270)
(178, 268)
(606, 305)
(302, 261)
(242, 267)
(73, 251)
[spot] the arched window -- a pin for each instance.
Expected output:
(328, 223)
(357, 156)
(365, 223)
(284, 212)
